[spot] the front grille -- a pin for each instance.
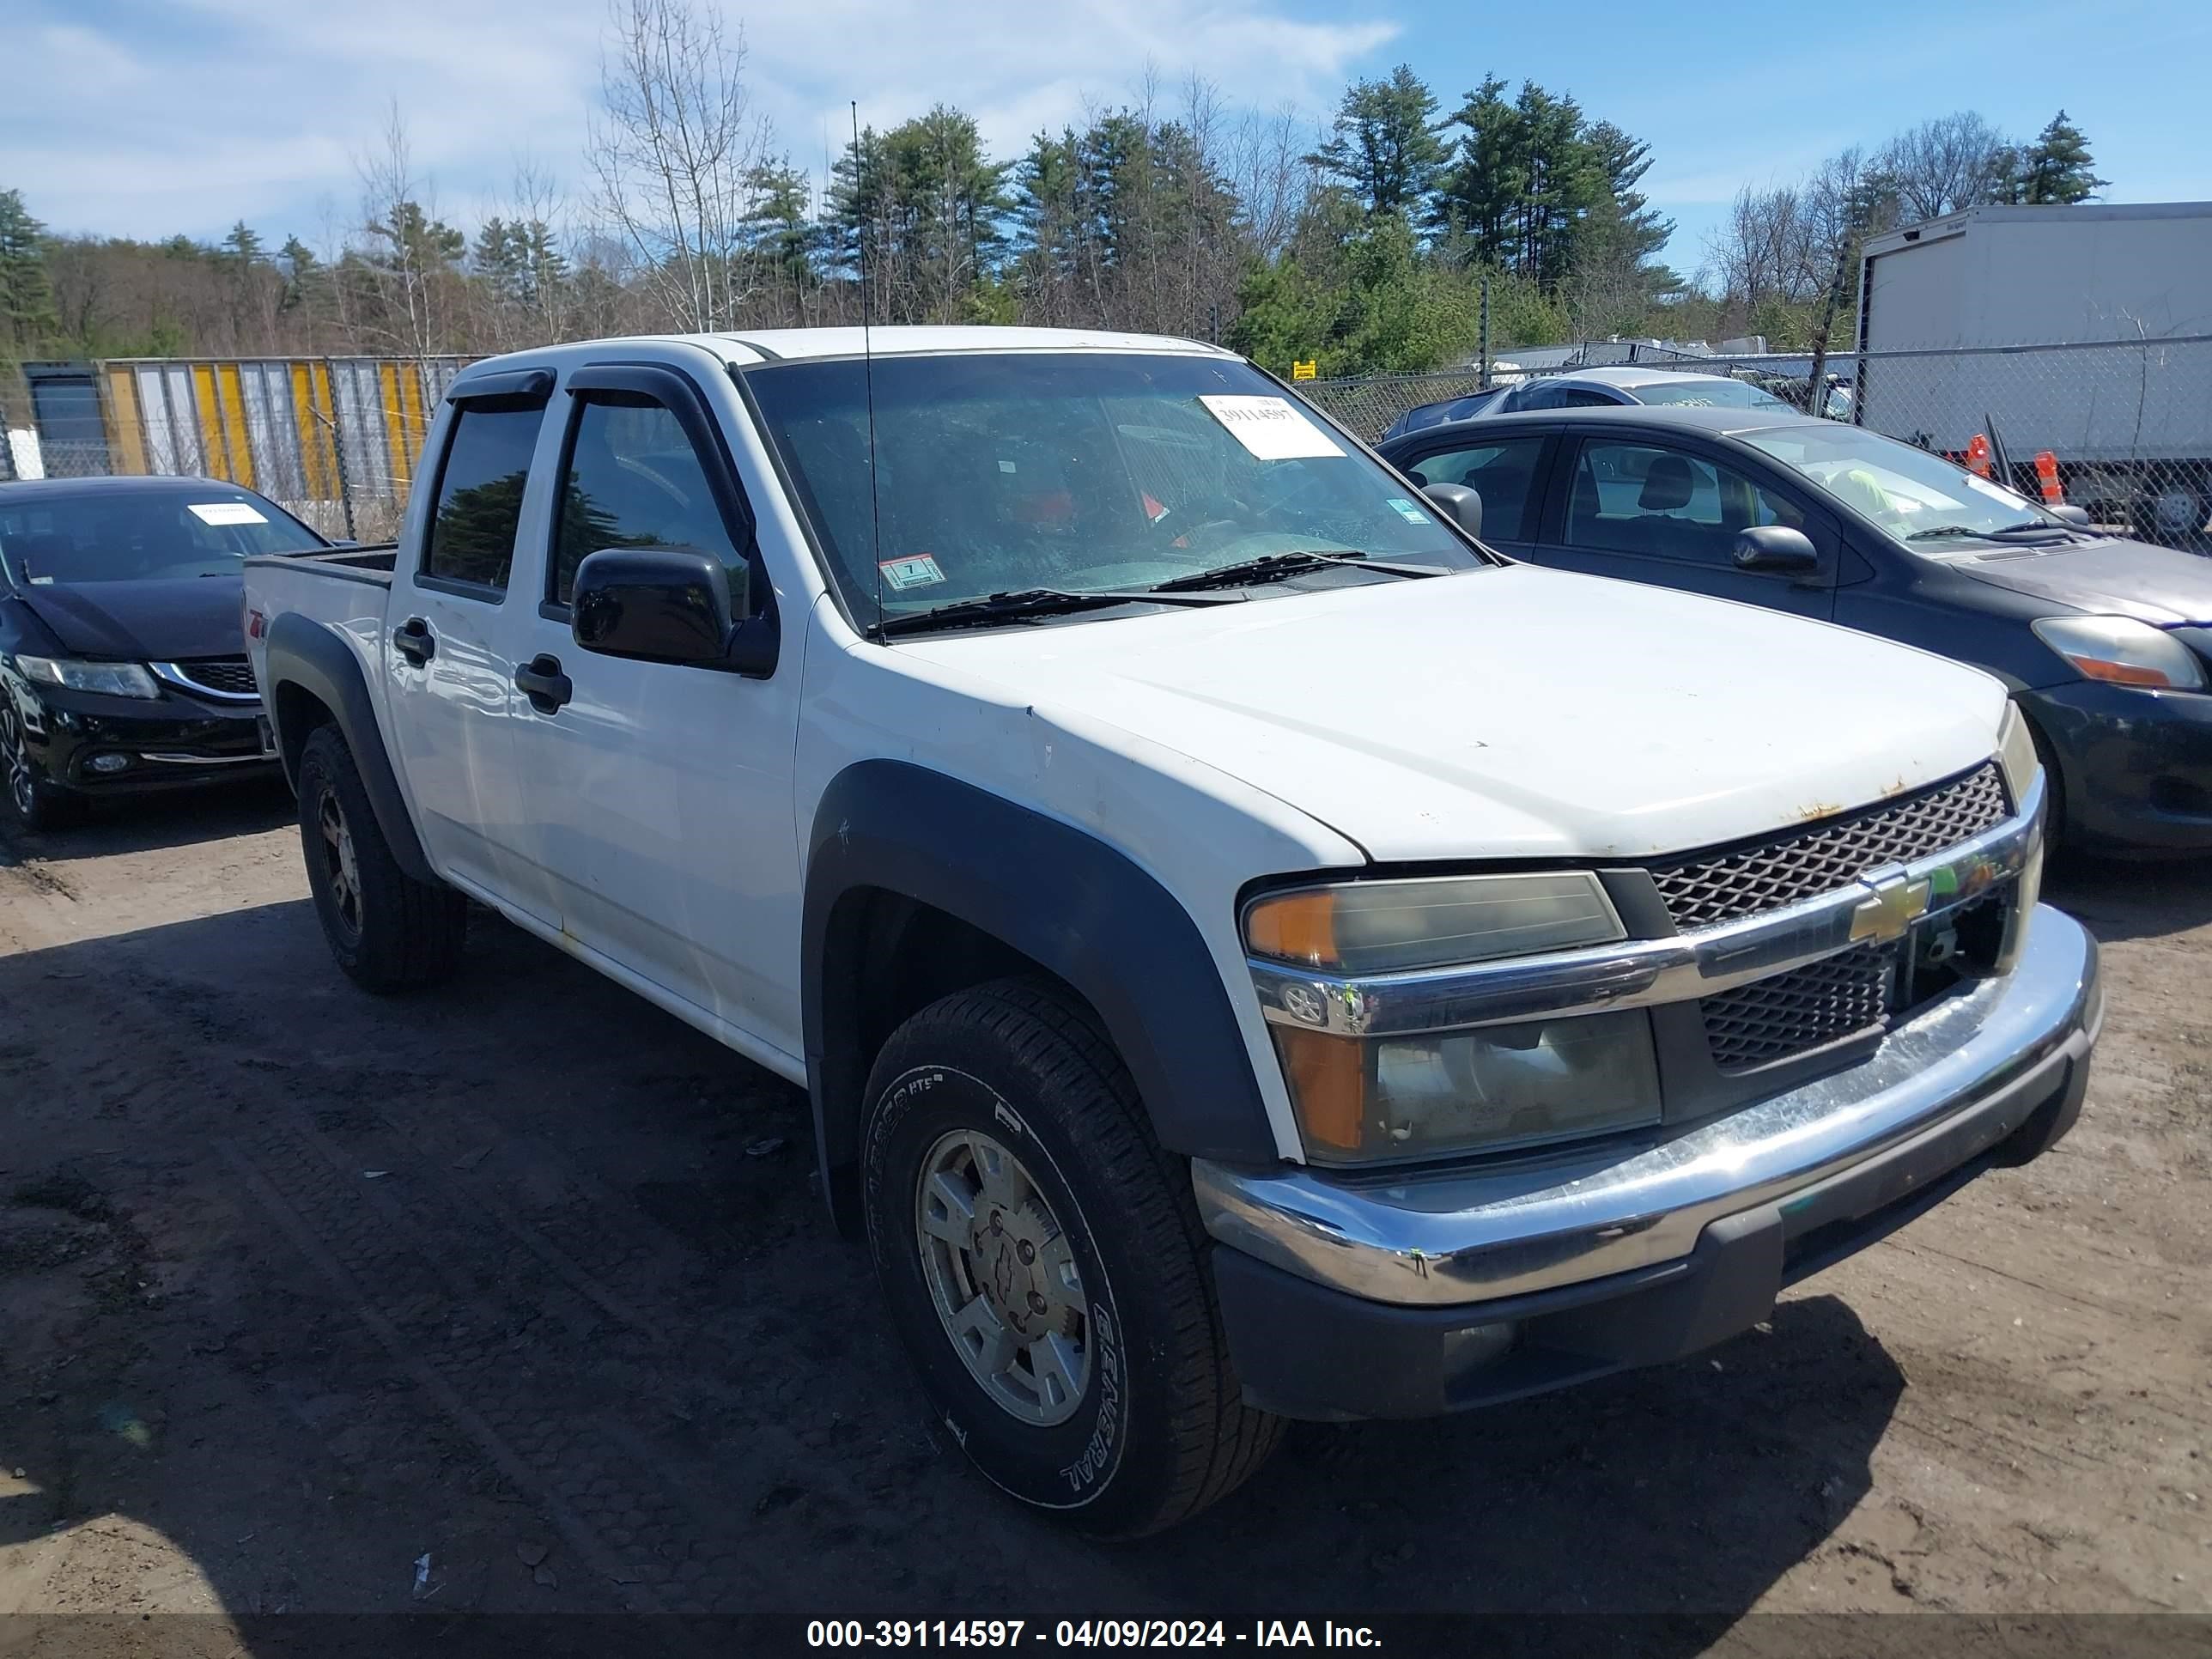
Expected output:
(232, 676)
(1765, 875)
(1794, 1013)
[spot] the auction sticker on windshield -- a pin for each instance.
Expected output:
(1269, 427)
(226, 513)
(920, 571)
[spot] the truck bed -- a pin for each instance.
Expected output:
(372, 563)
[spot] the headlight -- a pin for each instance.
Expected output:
(1361, 1099)
(1493, 1086)
(2121, 651)
(111, 679)
(1383, 926)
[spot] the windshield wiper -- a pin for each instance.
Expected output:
(1024, 603)
(1275, 567)
(2001, 532)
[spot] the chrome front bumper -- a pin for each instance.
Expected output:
(1511, 1228)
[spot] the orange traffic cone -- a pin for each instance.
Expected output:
(2046, 473)
(1977, 455)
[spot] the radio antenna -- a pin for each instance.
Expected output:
(868, 370)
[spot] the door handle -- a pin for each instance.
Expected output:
(541, 680)
(414, 640)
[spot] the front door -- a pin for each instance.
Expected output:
(662, 792)
(1653, 511)
(1503, 472)
(448, 667)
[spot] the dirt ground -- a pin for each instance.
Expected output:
(518, 1297)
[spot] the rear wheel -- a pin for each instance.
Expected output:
(2173, 515)
(36, 802)
(388, 931)
(1043, 1263)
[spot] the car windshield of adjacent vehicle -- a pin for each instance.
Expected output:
(139, 533)
(1708, 392)
(1007, 473)
(1918, 497)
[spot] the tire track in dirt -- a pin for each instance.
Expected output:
(507, 1336)
(434, 1381)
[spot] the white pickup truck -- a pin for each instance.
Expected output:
(1253, 951)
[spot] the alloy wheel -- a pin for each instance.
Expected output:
(15, 757)
(339, 857)
(1004, 1278)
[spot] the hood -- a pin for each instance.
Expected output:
(1513, 712)
(144, 621)
(2154, 585)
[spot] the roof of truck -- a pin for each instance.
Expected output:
(774, 344)
(2047, 214)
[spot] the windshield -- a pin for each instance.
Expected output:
(1914, 496)
(1708, 392)
(137, 534)
(1003, 472)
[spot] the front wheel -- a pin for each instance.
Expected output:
(1042, 1260)
(36, 802)
(388, 931)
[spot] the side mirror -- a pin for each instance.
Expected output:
(1458, 504)
(670, 604)
(1776, 549)
(2076, 516)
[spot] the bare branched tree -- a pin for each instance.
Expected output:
(1942, 164)
(408, 255)
(676, 154)
(1272, 180)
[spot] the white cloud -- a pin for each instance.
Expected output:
(260, 107)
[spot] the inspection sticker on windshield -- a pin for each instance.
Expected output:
(1405, 510)
(1270, 428)
(225, 513)
(920, 571)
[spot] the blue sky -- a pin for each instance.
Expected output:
(151, 117)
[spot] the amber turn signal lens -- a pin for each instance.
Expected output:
(2122, 673)
(1295, 927)
(1328, 1077)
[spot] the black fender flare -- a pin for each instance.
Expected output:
(1079, 907)
(303, 653)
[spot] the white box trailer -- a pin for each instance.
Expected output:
(2084, 331)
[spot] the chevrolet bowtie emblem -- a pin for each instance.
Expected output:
(1889, 915)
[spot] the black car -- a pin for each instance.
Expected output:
(2106, 643)
(122, 658)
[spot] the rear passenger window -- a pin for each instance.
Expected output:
(634, 480)
(1499, 472)
(480, 495)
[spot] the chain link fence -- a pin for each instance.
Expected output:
(2122, 428)
(334, 441)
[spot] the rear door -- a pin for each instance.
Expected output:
(447, 652)
(1654, 509)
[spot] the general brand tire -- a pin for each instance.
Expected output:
(1159, 1429)
(389, 931)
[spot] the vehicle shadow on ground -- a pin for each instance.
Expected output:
(525, 1264)
(184, 818)
(2118, 900)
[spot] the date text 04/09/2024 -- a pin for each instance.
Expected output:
(1086, 1633)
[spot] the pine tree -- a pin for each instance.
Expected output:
(1384, 146)
(27, 296)
(242, 246)
(2057, 167)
